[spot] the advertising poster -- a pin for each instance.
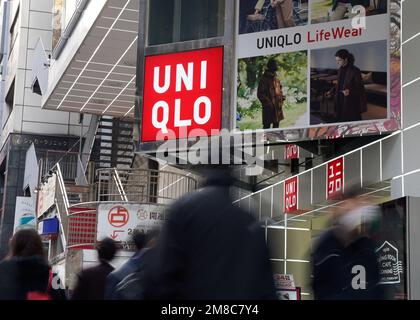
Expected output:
(322, 68)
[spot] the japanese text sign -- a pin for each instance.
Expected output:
(335, 179)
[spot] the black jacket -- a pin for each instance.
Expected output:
(19, 276)
(91, 283)
(210, 249)
(334, 269)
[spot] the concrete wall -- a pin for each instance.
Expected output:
(34, 21)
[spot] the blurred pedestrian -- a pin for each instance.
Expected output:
(126, 282)
(210, 249)
(91, 282)
(344, 260)
(25, 273)
(133, 286)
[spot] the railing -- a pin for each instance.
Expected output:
(62, 202)
(67, 160)
(79, 219)
(142, 185)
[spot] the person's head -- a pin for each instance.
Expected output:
(217, 174)
(272, 65)
(106, 249)
(139, 239)
(25, 243)
(344, 58)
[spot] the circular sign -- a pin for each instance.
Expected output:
(118, 216)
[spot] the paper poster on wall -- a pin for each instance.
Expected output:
(336, 73)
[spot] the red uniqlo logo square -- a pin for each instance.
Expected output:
(182, 95)
(291, 151)
(291, 195)
(335, 179)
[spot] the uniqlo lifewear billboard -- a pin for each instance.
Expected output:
(182, 94)
(319, 68)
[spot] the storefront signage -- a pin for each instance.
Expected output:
(24, 214)
(291, 56)
(291, 151)
(182, 94)
(291, 195)
(335, 179)
(118, 221)
(390, 267)
(284, 281)
(46, 195)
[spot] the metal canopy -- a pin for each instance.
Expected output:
(100, 78)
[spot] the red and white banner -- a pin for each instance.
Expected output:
(291, 195)
(291, 151)
(118, 221)
(335, 179)
(182, 92)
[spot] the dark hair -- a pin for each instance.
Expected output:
(26, 243)
(345, 54)
(139, 239)
(106, 249)
(272, 64)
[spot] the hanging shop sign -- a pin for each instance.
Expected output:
(182, 94)
(24, 214)
(291, 195)
(291, 151)
(318, 69)
(46, 195)
(335, 179)
(118, 221)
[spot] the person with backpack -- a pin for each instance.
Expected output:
(25, 273)
(125, 282)
(210, 249)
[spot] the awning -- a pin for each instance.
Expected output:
(100, 77)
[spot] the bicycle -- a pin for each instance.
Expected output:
(263, 21)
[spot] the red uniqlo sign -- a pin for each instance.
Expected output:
(291, 195)
(182, 92)
(291, 151)
(335, 179)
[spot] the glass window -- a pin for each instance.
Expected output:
(184, 20)
(14, 30)
(63, 12)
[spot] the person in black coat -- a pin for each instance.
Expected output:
(92, 281)
(344, 261)
(25, 270)
(210, 249)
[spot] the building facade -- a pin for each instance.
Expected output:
(114, 58)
